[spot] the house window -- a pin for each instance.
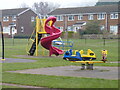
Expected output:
(32, 19)
(114, 29)
(6, 30)
(70, 28)
(90, 17)
(70, 17)
(102, 27)
(114, 16)
(61, 28)
(80, 17)
(59, 18)
(6, 18)
(22, 29)
(101, 16)
(14, 18)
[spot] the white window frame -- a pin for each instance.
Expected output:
(59, 18)
(22, 29)
(32, 18)
(80, 17)
(101, 16)
(113, 29)
(6, 30)
(70, 28)
(102, 27)
(6, 18)
(114, 16)
(14, 18)
(90, 17)
(70, 17)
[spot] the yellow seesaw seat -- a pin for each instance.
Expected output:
(89, 56)
(74, 52)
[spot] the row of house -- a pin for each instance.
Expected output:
(70, 19)
(21, 19)
(76, 18)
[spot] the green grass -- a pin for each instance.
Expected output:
(58, 81)
(6, 86)
(19, 48)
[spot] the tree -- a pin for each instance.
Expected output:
(93, 27)
(24, 5)
(43, 8)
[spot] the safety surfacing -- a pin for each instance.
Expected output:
(16, 60)
(75, 71)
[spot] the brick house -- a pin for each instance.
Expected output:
(20, 19)
(76, 18)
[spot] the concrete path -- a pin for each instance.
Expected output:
(15, 60)
(75, 71)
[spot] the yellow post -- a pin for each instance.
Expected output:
(37, 30)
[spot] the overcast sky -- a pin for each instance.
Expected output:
(8, 4)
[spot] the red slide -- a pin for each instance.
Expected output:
(54, 34)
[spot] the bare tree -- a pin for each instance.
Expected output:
(24, 5)
(43, 8)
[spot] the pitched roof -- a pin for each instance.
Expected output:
(108, 0)
(90, 9)
(10, 12)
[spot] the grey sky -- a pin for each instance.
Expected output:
(8, 4)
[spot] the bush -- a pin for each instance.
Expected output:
(70, 34)
(92, 27)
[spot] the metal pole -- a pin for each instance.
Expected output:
(104, 42)
(2, 42)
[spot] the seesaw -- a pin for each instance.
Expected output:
(80, 57)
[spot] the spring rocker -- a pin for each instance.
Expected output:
(45, 26)
(89, 59)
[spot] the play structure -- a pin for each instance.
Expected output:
(63, 44)
(2, 37)
(45, 26)
(89, 58)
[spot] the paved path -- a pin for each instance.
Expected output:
(16, 60)
(75, 71)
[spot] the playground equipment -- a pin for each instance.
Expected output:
(2, 36)
(45, 26)
(54, 34)
(63, 44)
(104, 55)
(80, 57)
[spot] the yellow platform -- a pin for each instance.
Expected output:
(90, 62)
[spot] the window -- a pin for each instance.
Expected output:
(14, 18)
(32, 19)
(59, 18)
(101, 16)
(22, 29)
(6, 30)
(90, 17)
(102, 27)
(80, 17)
(61, 28)
(114, 16)
(70, 28)
(5, 18)
(70, 17)
(114, 29)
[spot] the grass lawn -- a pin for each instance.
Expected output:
(6, 86)
(19, 48)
